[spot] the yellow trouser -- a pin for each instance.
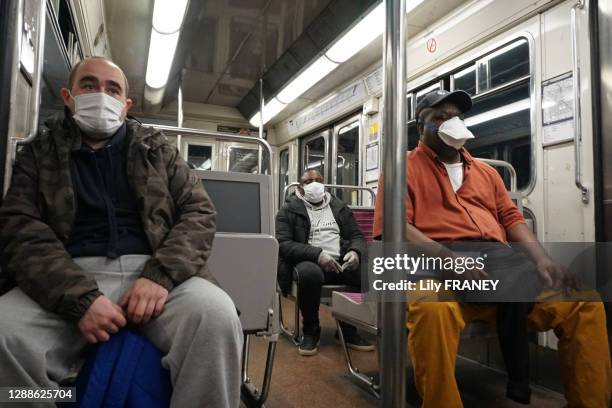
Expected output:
(433, 340)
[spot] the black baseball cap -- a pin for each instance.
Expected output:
(460, 98)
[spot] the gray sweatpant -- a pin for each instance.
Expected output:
(199, 332)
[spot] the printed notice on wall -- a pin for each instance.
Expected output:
(558, 110)
(372, 171)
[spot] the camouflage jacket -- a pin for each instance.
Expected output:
(39, 209)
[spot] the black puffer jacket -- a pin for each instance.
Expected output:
(293, 229)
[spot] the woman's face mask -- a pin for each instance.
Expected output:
(314, 192)
(453, 132)
(98, 114)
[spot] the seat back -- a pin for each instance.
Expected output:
(365, 219)
(245, 253)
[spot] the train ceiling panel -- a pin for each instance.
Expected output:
(222, 45)
(224, 48)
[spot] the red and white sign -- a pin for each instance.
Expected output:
(432, 45)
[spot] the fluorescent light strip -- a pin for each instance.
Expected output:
(354, 40)
(271, 109)
(161, 54)
(496, 113)
(168, 18)
(168, 15)
(305, 80)
(362, 34)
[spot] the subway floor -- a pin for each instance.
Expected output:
(323, 380)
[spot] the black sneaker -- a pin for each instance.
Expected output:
(355, 341)
(309, 345)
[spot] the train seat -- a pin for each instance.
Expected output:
(244, 261)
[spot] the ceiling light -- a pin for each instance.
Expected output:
(506, 110)
(355, 39)
(271, 109)
(362, 34)
(304, 81)
(161, 54)
(168, 15)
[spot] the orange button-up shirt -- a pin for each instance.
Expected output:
(481, 209)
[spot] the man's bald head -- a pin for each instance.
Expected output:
(98, 60)
(97, 75)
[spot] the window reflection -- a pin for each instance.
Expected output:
(315, 155)
(199, 156)
(504, 65)
(283, 172)
(347, 172)
(425, 91)
(466, 80)
(501, 123)
(243, 160)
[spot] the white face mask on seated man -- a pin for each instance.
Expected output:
(454, 133)
(314, 192)
(98, 114)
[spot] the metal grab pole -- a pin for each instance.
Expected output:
(393, 308)
(261, 108)
(179, 111)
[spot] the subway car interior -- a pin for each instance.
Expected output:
(254, 93)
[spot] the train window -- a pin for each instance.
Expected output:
(315, 155)
(199, 156)
(409, 112)
(504, 65)
(465, 80)
(243, 160)
(501, 122)
(413, 135)
(425, 91)
(283, 172)
(520, 158)
(347, 157)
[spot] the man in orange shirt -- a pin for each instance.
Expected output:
(452, 197)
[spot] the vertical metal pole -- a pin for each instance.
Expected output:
(179, 110)
(261, 135)
(393, 310)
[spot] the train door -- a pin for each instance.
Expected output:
(345, 158)
(314, 153)
(287, 173)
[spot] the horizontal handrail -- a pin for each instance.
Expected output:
(222, 136)
(505, 165)
(338, 186)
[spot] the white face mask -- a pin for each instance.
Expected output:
(98, 114)
(314, 192)
(454, 133)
